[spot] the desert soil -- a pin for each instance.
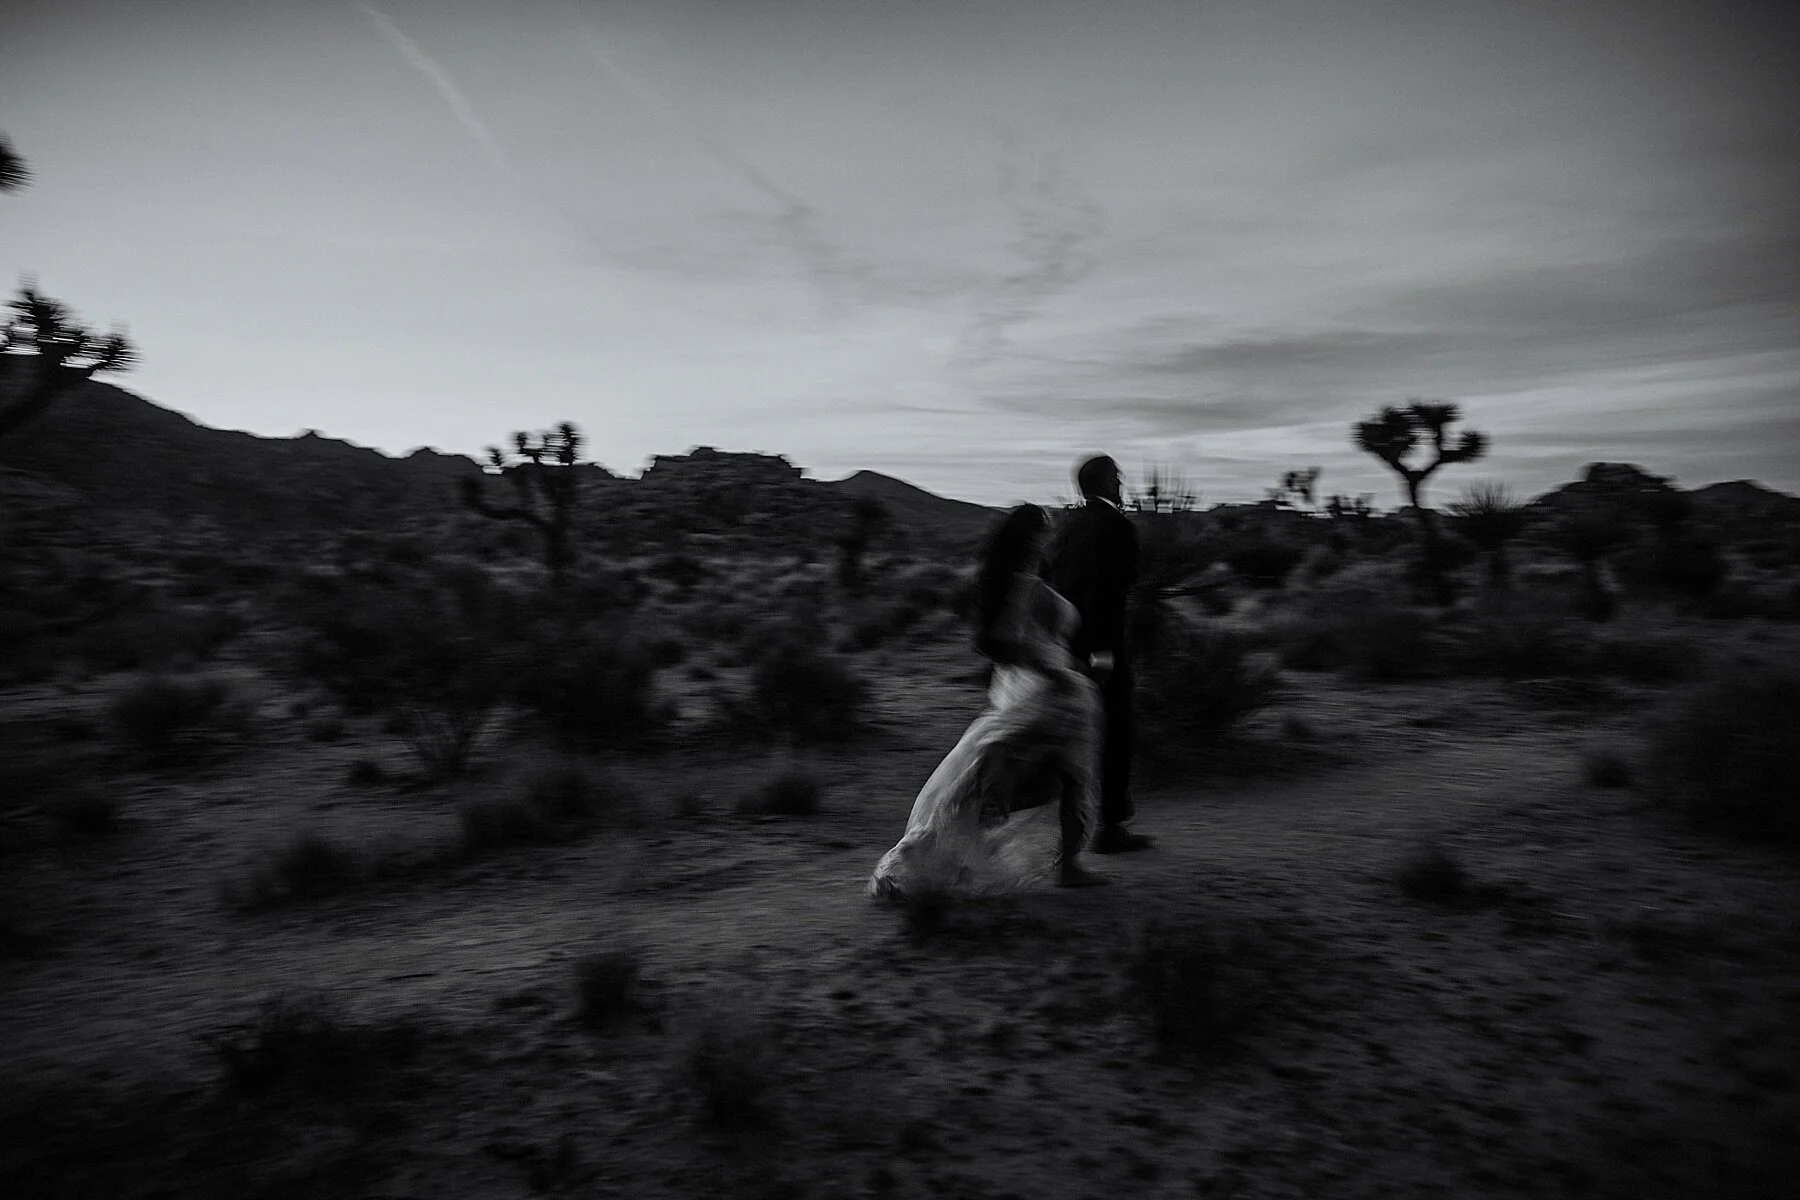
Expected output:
(1609, 1009)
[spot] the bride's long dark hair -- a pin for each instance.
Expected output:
(1010, 551)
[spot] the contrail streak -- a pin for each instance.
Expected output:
(470, 120)
(433, 70)
(797, 220)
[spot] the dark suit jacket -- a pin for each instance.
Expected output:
(1095, 565)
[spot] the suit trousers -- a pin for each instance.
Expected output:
(1116, 695)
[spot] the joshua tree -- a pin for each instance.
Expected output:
(1163, 491)
(542, 474)
(1297, 489)
(868, 517)
(14, 174)
(66, 353)
(1488, 515)
(1392, 435)
(1588, 537)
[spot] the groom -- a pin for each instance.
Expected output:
(1094, 566)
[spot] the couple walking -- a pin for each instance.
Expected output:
(1023, 787)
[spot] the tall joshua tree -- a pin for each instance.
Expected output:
(545, 485)
(65, 353)
(1392, 435)
(868, 518)
(1488, 515)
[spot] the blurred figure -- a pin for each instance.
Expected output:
(974, 827)
(1095, 565)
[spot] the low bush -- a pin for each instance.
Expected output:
(1201, 991)
(807, 694)
(606, 986)
(590, 688)
(1606, 769)
(553, 805)
(1205, 681)
(1366, 637)
(791, 792)
(174, 721)
(307, 1043)
(1435, 875)
(155, 639)
(1729, 755)
(308, 867)
(366, 772)
(729, 1063)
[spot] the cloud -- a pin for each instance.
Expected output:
(1055, 225)
(843, 276)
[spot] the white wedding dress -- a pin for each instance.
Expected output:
(964, 836)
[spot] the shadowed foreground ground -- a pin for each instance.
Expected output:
(1599, 1004)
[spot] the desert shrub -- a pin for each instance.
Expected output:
(1521, 640)
(366, 772)
(326, 729)
(155, 639)
(1367, 637)
(1729, 755)
(1605, 768)
(308, 867)
(554, 804)
(682, 570)
(932, 587)
(441, 725)
(1648, 656)
(1204, 682)
(791, 792)
(1691, 566)
(729, 1062)
(43, 792)
(878, 623)
(173, 721)
(606, 985)
(1201, 991)
(1435, 875)
(590, 688)
(807, 694)
(721, 622)
(1740, 600)
(667, 650)
(1264, 562)
(307, 1043)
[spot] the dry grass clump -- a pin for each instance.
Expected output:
(606, 986)
(1204, 680)
(1729, 755)
(171, 721)
(553, 805)
(308, 867)
(792, 791)
(1606, 769)
(729, 1061)
(1367, 637)
(307, 1043)
(1200, 990)
(156, 638)
(44, 797)
(806, 694)
(591, 688)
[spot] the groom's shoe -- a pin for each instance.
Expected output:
(1116, 839)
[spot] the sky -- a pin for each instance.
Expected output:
(962, 242)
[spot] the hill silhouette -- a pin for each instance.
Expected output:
(115, 453)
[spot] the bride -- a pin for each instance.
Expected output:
(980, 824)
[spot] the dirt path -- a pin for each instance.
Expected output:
(1611, 1012)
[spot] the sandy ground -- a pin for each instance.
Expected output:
(1612, 1011)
